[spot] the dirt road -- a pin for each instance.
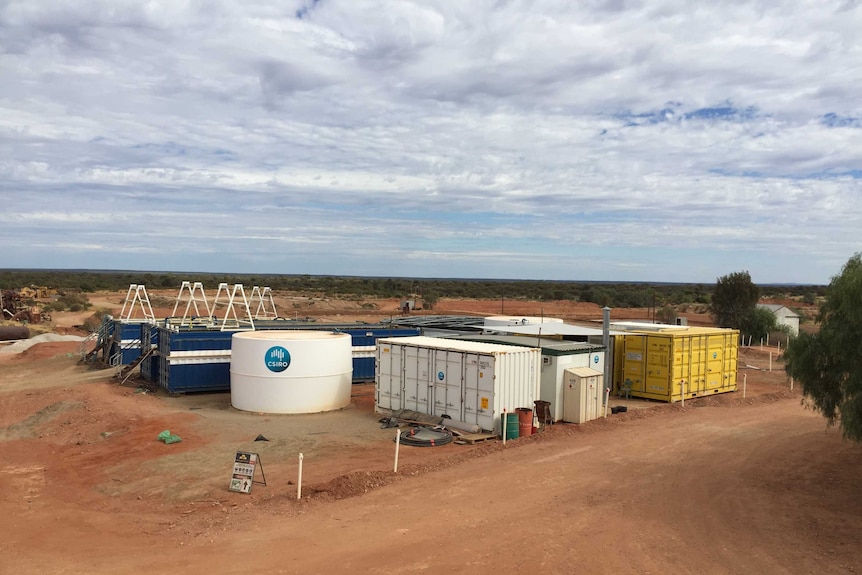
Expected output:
(724, 485)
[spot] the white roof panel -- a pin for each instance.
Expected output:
(550, 329)
(452, 344)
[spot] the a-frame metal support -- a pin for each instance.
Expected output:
(236, 297)
(195, 296)
(135, 298)
(265, 304)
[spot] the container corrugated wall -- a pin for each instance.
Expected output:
(470, 382)
(194, 360)
(190, 361)
(659, 365)
(363, 341)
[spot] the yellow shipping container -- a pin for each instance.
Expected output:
(660, 364)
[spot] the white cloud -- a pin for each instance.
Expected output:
(596, 140)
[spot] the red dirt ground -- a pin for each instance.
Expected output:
(725, 484)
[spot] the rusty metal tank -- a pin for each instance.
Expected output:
(10, 332)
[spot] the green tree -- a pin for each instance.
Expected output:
(429, 298)
(667, 314)
(760, 323)
(734, 299)
(828, 364)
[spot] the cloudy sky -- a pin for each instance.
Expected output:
(593, 140)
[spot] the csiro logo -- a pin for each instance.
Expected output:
(441, 375)
(595, 359)
(277, 358)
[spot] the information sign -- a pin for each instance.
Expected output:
(244, 466)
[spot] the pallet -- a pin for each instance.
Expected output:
(473, 438)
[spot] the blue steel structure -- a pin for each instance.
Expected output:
(198, 360)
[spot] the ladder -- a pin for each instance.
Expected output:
(95, 346)
(125, 371)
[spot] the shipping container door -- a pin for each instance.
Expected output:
(479, 391)
(448, 373)
(389, 368)
(698, 362)
(715, 363)
(686, 366)
(731, 360)
(633, 360)
(417, 379)
(681, 349)
(658, 366)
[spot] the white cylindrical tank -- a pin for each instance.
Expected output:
(290, 371)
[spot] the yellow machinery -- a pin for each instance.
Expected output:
(665, 363)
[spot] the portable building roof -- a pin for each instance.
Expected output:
(450, 344)
(775, 307)
(549, 329)
(584, 371)
(680, 331)
(548, 346)
(646, 326)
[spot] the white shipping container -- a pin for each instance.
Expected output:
(470, 382)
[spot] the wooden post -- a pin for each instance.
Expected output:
(505, 424)
(299, 480)
(397, 445)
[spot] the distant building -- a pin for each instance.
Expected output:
(783, 316)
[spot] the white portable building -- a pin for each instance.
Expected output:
(469, 382)
(557, 357)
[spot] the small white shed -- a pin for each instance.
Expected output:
(583, 394)
(784, 316)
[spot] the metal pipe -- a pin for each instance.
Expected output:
(14, 332)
